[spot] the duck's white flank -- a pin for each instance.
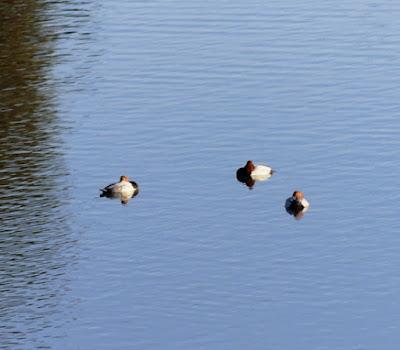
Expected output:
(261, 172)
(304, 203)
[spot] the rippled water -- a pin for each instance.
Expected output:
(178, 95)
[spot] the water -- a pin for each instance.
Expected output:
(178, 95)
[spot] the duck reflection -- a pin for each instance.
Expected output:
(251, 173)
(123, 198)
(245, 178)
(124, 190)
(297, 205)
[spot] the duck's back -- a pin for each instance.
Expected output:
(261, 172)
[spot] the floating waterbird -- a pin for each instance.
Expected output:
(124, 190)
(251, 173)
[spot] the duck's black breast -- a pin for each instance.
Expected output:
(293, 207)
(242, 175)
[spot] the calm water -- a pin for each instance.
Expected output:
(178, 95)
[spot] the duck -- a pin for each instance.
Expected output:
(252, 172)
(124, 189)
(297, 204)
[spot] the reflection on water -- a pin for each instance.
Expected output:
(296, 211)
(33, 233)
(123, 198)
(247, 180)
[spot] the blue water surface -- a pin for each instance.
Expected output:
(178, 95)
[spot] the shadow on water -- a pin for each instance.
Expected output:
(34, 238)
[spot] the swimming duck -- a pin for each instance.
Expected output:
(296, 204)
(123, 189)
(251, 173)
